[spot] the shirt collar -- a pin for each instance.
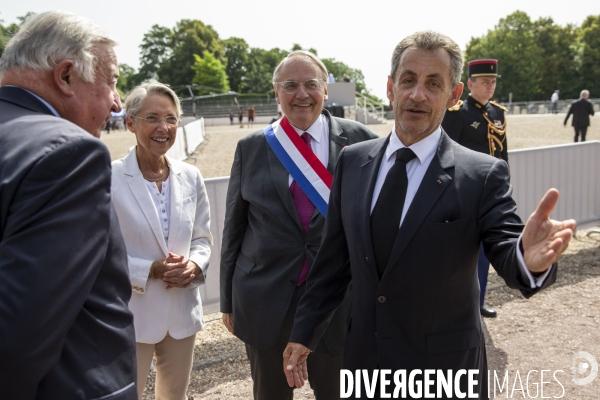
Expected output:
(316, 130)
(423, 149)
(52, 109)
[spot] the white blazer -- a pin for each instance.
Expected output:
(156, 310)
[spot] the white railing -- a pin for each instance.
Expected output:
(366, 106)
(571, 168)
(187, 139)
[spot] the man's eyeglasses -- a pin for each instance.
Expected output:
(154, 120)
(291, 87)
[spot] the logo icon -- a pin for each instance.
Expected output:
(585, 368)
(475, 124)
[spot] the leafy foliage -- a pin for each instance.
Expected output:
(210, 75)
(237, 55)
(189, 37)
(537, 57)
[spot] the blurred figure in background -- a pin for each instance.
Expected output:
(581, 109)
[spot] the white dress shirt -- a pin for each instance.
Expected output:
(425, 149)
(319, 142)
(162, 204)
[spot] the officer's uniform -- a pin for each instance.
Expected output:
(479, 127)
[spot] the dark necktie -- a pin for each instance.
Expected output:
(385, 218)
(305, 209)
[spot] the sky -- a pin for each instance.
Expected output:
(361, 34)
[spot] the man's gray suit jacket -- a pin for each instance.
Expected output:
(264, 245)
(65, 329)
(424, 311)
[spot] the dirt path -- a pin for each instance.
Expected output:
(542, 333)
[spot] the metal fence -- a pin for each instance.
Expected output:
(544, 107)
(571, 168)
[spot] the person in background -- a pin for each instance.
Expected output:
(241, 116)
(480, 124)
(581, 109)
(251, 112)
(164, 215)
(274, 119)
(346, 78)
(554, 100)
(273, 224)
(66, 331)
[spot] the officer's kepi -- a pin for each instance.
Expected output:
(483, 68)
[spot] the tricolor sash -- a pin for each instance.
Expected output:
(301, 162)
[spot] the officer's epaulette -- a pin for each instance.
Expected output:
(499, 106)
(457, 106)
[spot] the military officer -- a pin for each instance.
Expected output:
(479, 124)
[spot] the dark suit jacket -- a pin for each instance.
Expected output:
(581, 110)
(424, 312)
(66, 330)
(264, 245)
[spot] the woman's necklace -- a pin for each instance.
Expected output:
(162, 178)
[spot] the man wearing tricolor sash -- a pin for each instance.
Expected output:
(276, 206)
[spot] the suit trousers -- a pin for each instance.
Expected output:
(266, 366)
(173, 366)
(579, 130)
(483, 269)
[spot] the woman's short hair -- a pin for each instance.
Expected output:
(135, 99)
(48, 38)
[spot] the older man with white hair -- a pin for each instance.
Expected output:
(66, 330)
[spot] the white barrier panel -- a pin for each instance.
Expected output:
(194, 134)
(190, 136)
(571, 168)
(177, 151)
(216, 188)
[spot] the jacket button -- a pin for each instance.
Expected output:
(381, 299)
(307, 245)
(375, 334)
(367, 258)
(293, 282)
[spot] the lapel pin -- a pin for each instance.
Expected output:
(439, 182)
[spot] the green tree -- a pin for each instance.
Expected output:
(338, 69)
(210, 75)
(557, 52)
(237, 53)
(189, 37)
(589, 56)
(513, 43)
(127, 77)
(260, 69)
(6, 32)
(154, 50)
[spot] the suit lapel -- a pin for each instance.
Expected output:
(280, 178)
(365, 187)
(434, 183)
(176, 205)
(336, 144)
(137, 185)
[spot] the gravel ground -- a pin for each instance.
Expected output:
(541, 333)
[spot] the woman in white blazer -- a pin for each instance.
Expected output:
(164, 216)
